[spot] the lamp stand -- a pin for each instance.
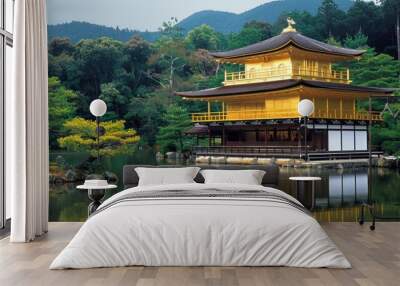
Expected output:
(98, 139)
(305, 136)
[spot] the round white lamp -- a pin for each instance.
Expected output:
(98, 107)
(305, 109)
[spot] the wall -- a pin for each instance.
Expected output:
(330, 105)
(277, 69)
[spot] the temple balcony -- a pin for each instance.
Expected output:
(252, 115)
(275, 74)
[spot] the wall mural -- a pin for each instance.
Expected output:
(138, 65)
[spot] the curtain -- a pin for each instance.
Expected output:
(27, 124)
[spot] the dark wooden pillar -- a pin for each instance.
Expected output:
(266, 136)
(305, 136)
(299, 135)
(370, 150)
(223, 136)
(341, 136)
(354, 135)
(370, 132)
(209, 136)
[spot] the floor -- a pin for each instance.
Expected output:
(375, 257)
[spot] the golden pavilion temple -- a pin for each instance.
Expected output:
(255, 112)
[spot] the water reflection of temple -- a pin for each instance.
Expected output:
(343, 190)
(338, 196)
(342, 197)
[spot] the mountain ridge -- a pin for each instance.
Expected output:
(267, 12)
(223, 22)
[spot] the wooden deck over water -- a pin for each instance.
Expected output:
(292, 152)
(375, 257)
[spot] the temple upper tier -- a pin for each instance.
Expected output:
(289, 55)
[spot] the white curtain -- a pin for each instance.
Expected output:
(27, 124)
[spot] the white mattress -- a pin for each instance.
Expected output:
(200, 232)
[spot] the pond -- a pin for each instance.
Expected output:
(338, 195)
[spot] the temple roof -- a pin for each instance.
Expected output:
(197, 130)
(279, 85)
(283, 40)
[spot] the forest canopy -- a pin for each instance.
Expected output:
(137, 79)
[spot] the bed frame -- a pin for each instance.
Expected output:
(131, 179)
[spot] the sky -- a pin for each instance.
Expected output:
(138, 14)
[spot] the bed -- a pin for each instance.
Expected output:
(198, 224)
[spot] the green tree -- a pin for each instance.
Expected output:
(62, 107)
(366, 18)
(82, 137)
(171, 136)
(378, 70)
(171, 29)
(391, 10)
(306, 24)
(146, 114)
(61, 59)
(359, 41)
(330, 19)
(332, 41)
(377, 22)
(375, 70)
(203, 63)
(62, 67)
(387, 137)
(252, 32)
(114, 99)
(60, 46)
(203, 37)
(169, 62)
(136, 55)
(97, 62)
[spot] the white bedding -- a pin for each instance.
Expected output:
(200, 232)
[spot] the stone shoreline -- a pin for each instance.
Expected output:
(382, 162)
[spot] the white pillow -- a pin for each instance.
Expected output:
(248, 177)
(166, 176)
